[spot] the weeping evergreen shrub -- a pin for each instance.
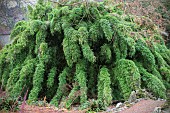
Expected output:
(74, 52)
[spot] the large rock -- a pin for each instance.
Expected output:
(4, 39)
(157, 110)
(11, 11)
(12, 4)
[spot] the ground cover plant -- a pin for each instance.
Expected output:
(77, 51)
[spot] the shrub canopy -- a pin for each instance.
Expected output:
(78, 51)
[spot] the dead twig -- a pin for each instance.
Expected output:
(24, 102)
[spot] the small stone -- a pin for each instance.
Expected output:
(128, 105)
(159, 99)
(164, 33)
(125, 107)
(132, 103)
(113, 109)
(137, 100)
(108, 110)
(132, 97)
(119, 105)
(75, 108)
(126, 102)
(157, 110)
(119, 110)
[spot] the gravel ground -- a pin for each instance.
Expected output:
(144, 106)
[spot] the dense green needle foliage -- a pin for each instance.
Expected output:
(128, 77)
(74, 52)
(104, 90)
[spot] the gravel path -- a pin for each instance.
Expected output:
(144, 106)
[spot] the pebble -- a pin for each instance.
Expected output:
(159, 99)
(157, 110)
(109, 110)
(125, 107)
(119, 105)
(75, 108)
(132, 97)
(113, 109)
(140, 99)
(132, 103)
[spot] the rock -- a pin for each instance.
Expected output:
(157, 110)
(167, 103)
(75, 108)
(132, 103)
(164, 33)
(119, 110)
(11, 12)
(11, 4)
(146, 95)
(165, 111)
(28, 2)
(138, 100)
(4, 39)
(109, 110)
(119, 105)
(127, 104)
(159, 99)
(113, 109)
(132, 97)
(125, 107)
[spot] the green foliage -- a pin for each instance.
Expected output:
(106, 29)
(106, 53)
(13, 78)
(148, 58)
(72, 96)
(104, 89)
(94, 33)
(5, 76)
(128, 76)
(37, 80)
(152, 83)
(61, 87)
(73, 53)
(51, 77)
(92, 80)
(19, 28)
(8, 104)
(70, 47)
(81, 78)
(79, 87)
(88, 53)
(131, 46)
(166, 73)
(26, 71)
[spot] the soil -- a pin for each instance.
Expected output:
(36, 109)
